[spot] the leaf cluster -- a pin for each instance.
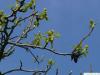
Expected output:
(3, 18)
(48, 37)
(79, 51)
(41, 16)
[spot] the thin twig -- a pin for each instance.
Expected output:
(86, 36)
(36, 59)
(23, 34)
(57, 71)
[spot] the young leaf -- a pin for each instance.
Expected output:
(36, 23)
(1, 12)
(37, 39)
(57, 35)
(85, 50)
(50, 32)
(43, 15)
(50, 62)
(92, 24)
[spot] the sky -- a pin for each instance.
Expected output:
(71, 19)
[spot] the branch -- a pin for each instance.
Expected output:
(77, 51)
(36, 59)
(28, 17)
(24, 70)
(39, 47)
(26, 30)
(86, 36)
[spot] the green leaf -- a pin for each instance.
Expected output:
(2, 24)
(1, 12)
(16, 21)
(43, 15)
(50, 32)
(24, 9)
(50, 62)
(85, 50)
(38, 36)
(78, 47)
(57, 35)
(36, 23)
(51, 38)
(37, 39)
(3, 18)
(30, 4)
(92, 24)
(46, 40)
(37, 42)
(32, 1)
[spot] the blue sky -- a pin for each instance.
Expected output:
(71, 19)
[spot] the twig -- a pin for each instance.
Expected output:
(36, 59)
(24, 70)
(57, 71)
(39, 47)
(86, 36)
(23, 34)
